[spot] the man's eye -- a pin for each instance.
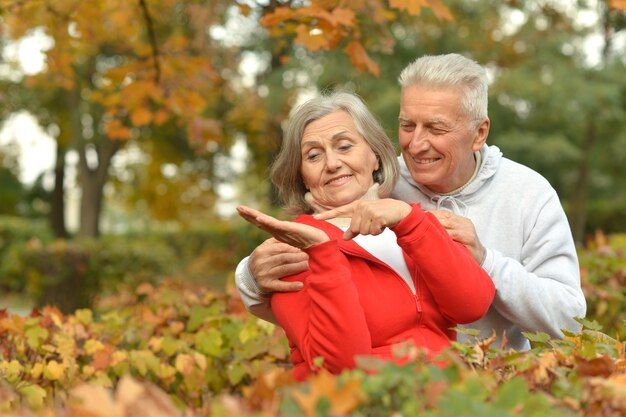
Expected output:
(407, 127)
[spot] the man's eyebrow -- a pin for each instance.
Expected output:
(404, 119)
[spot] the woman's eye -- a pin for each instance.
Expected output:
(345, 147)
(312, 156)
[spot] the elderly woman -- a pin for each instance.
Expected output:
(382, 271)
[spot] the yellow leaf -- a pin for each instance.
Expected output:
(53, 371)
(92, 346)
(184, 363)
(155, 343)
(37, 370)
(84, 316)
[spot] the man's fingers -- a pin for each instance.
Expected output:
(291, 268)
(282, 286)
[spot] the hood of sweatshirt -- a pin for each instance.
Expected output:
(491, 156)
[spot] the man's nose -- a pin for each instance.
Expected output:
(419, 141)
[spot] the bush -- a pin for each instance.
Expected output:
(69, 273)
(191, 352)
(15, 233)
(603, 274)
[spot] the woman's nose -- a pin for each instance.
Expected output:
(333, 161)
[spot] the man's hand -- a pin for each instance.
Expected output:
(461, 229)
(369, 217)
(273, 260)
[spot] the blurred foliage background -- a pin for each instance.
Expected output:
(165, 114)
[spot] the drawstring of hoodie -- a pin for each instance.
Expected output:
(447, 202)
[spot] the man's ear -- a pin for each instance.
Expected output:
(480, 134)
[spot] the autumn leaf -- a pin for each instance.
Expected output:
(343, 16)
(312, 41)
(600, 366)
(617, 4)
(103, 357)
(278, 16)
(441, 10)
(115, 130)
(141, 116)
(54, 370)
(144, 400)
(33, 394)
(94, 401)
(244, 9)
(342, 399)
(413, 7)
(360, 59)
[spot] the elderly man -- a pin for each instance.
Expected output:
(506, 214)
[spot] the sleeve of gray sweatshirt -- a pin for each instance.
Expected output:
(541, 291)
(251, 295)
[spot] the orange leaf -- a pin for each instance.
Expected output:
(343, 16)
(115, 130)
(617, 4)
(413, 7)
(313, 42)
(360, 59)
(244, 9)
(324, 385)
(441, 10)
(279, 15)
(601, 366)
(103, 357)
(141, 116)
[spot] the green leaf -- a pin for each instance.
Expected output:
(511, 394)
(209, 342)
(36, 335)
(33, 394)
(539, 337)
(197, 315)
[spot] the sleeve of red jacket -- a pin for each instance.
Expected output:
(460, 286)
(325, 318)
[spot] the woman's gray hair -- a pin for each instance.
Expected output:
(285, 171)
(451, 70)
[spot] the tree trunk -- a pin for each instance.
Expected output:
(57, 203)
(580, 199)
(92, 181)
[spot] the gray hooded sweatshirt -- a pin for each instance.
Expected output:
(530, 252)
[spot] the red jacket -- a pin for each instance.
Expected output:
(354, 304)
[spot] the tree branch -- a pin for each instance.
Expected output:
(153, 40)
